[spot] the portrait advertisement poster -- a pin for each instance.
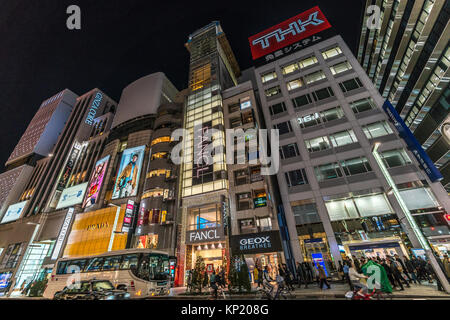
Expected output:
(95, 182)
(130, 168)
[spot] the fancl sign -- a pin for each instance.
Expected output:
(93, 109)
(204, 235)
(62, 233)
(413, 145)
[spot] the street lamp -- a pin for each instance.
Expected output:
(416, 232)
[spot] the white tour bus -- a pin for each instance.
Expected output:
(142, 272)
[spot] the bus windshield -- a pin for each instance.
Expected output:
(154, 266)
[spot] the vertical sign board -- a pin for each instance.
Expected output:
(128, 218)
(413, 145)
(289, 36)
(62, 233)
(69, 166)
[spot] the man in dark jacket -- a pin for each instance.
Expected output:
(301, 278)
(404, 270)
(396, 274)
(410, 269)
(357, 265)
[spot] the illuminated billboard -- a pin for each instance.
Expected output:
(72, 196)
(130, 167)
(95, 182)
(288, 32)
(14, 212)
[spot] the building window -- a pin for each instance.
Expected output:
(317, 144)
(290, 68)
(395, 158)
(332, 114)
(330, 53)
(362, 105)
(233, 107)
(264, 224)
(160, 139)
(305, 211)
(377, 129)
(294, 84)
(328, 171)
(301, 101)
(243, 201)
(255, 174)
(273, 91)
(246, 225)
(307, 62)
(355, 166)
(323, 94)
(268, 76)
(296, 177)
(350, 85)
(277, 108)
(204, 217)
(289, 151)
(340, 67)
(284, 127)
(342, 138)
(200, 77)
(240, 177)
(314, 77)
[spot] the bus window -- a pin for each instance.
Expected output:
(72, 266)
(129, 262)
(143, 270)
(95, 265)
(112, 263)
(61, 269)
(158, 267)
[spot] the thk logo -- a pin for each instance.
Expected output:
(295, 28)
(288, 32)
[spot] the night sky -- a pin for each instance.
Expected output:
(121, 41)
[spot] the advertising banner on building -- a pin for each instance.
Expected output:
(413, 145)
(95, 182)
(14, 212)
(262, 242)
(128, 218)
(290, 35)
(69, 166)
(62, 234)
(130, 168)
(72, 196)
(202, 171)
(204, 235)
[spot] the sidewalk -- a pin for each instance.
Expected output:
(337, 291)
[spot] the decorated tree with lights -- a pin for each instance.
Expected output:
(197, 276)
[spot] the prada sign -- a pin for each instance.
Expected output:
(261, 242)
(204, 235)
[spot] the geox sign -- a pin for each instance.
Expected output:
(288, 32)
(268, 241)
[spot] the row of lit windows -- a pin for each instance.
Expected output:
(159, 172)
(298, 65)
(160, 139)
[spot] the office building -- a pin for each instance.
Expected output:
(329, 115)
(407, 58)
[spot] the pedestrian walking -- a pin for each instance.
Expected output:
(322, 277)
(410, 269)
(288, 279)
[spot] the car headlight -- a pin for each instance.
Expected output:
(110, 297)
(126, 295)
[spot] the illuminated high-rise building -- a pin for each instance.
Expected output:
(213, 68)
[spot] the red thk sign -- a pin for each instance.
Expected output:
(288, 32)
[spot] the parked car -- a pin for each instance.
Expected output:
(92, 290)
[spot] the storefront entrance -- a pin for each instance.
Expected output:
(374, 249)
